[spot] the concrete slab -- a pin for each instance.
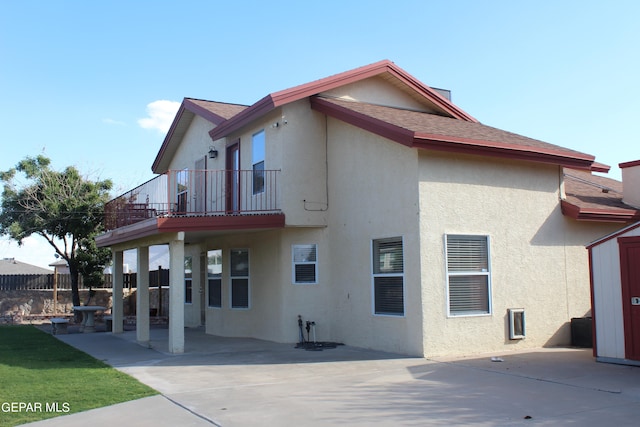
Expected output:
(240, 382)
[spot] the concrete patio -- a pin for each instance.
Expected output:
(247, 382)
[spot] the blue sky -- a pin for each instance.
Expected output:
(95, 83)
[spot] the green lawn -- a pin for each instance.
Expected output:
(42, 377)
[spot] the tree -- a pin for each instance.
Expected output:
(63, 207)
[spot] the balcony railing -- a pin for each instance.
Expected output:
(196, 193)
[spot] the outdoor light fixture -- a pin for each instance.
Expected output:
(213, 153)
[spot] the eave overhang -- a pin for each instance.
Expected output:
(599, 215)
(451, 143)
(187, 111)
(277, 99)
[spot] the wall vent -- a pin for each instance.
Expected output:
(516, 323)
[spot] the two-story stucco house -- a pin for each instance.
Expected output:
(368, 203)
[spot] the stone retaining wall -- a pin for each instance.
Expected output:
(16, 305)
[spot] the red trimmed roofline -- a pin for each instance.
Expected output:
(448, 143)
(629, 164)
(186, 105)
(296, 93)
(599, 215)
(502, 150)
(600, 167)
(377, 126)
(203, 112)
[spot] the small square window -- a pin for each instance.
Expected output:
(305, 264)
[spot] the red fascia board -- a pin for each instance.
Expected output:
(379, 127)
(260, 108)
(226, 222)
(503, 150)
(296, 93)
(188, 105)
(202, 112)
(600, 167)
(433, 95)
(312, 88)
(598, 215)
(629, 164)
(167, 139)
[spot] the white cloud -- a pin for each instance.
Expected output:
(113, 122)
(161, 114)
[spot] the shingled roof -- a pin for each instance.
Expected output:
(12, 266)
(215, 112)
(431, 131)
(595, 198)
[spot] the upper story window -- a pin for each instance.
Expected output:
(258, 151)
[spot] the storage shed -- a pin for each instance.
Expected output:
(615, 296)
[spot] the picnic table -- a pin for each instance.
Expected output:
(88, 316)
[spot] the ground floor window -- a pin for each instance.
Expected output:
(388, 276)
(188, 280)
(468, 275)
(239, 274)
(214, 278)
(305, 264)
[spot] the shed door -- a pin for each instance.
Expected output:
(630, 275)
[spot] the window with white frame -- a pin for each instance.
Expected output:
(305, 264)
(258, 152)
(468, 275)
(188, 280)
(388, 276)
(239, 273)
(214, 277)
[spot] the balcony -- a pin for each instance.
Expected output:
(190, 195)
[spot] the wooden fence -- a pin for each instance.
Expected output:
(10, 282)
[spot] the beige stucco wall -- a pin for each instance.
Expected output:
(538, 259)
(376, 90)
(195, 145)
(275, 302)
(373, 194)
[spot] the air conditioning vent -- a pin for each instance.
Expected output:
(516, 323)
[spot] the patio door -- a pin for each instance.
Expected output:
(630, 275)
(232, 201)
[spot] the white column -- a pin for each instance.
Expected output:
(142, 295)
(176, 294)
(117, 307)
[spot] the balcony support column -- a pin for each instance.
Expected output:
(176, 294)
(142, 296)
(117, 300)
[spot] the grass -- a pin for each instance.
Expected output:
(42, 377)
